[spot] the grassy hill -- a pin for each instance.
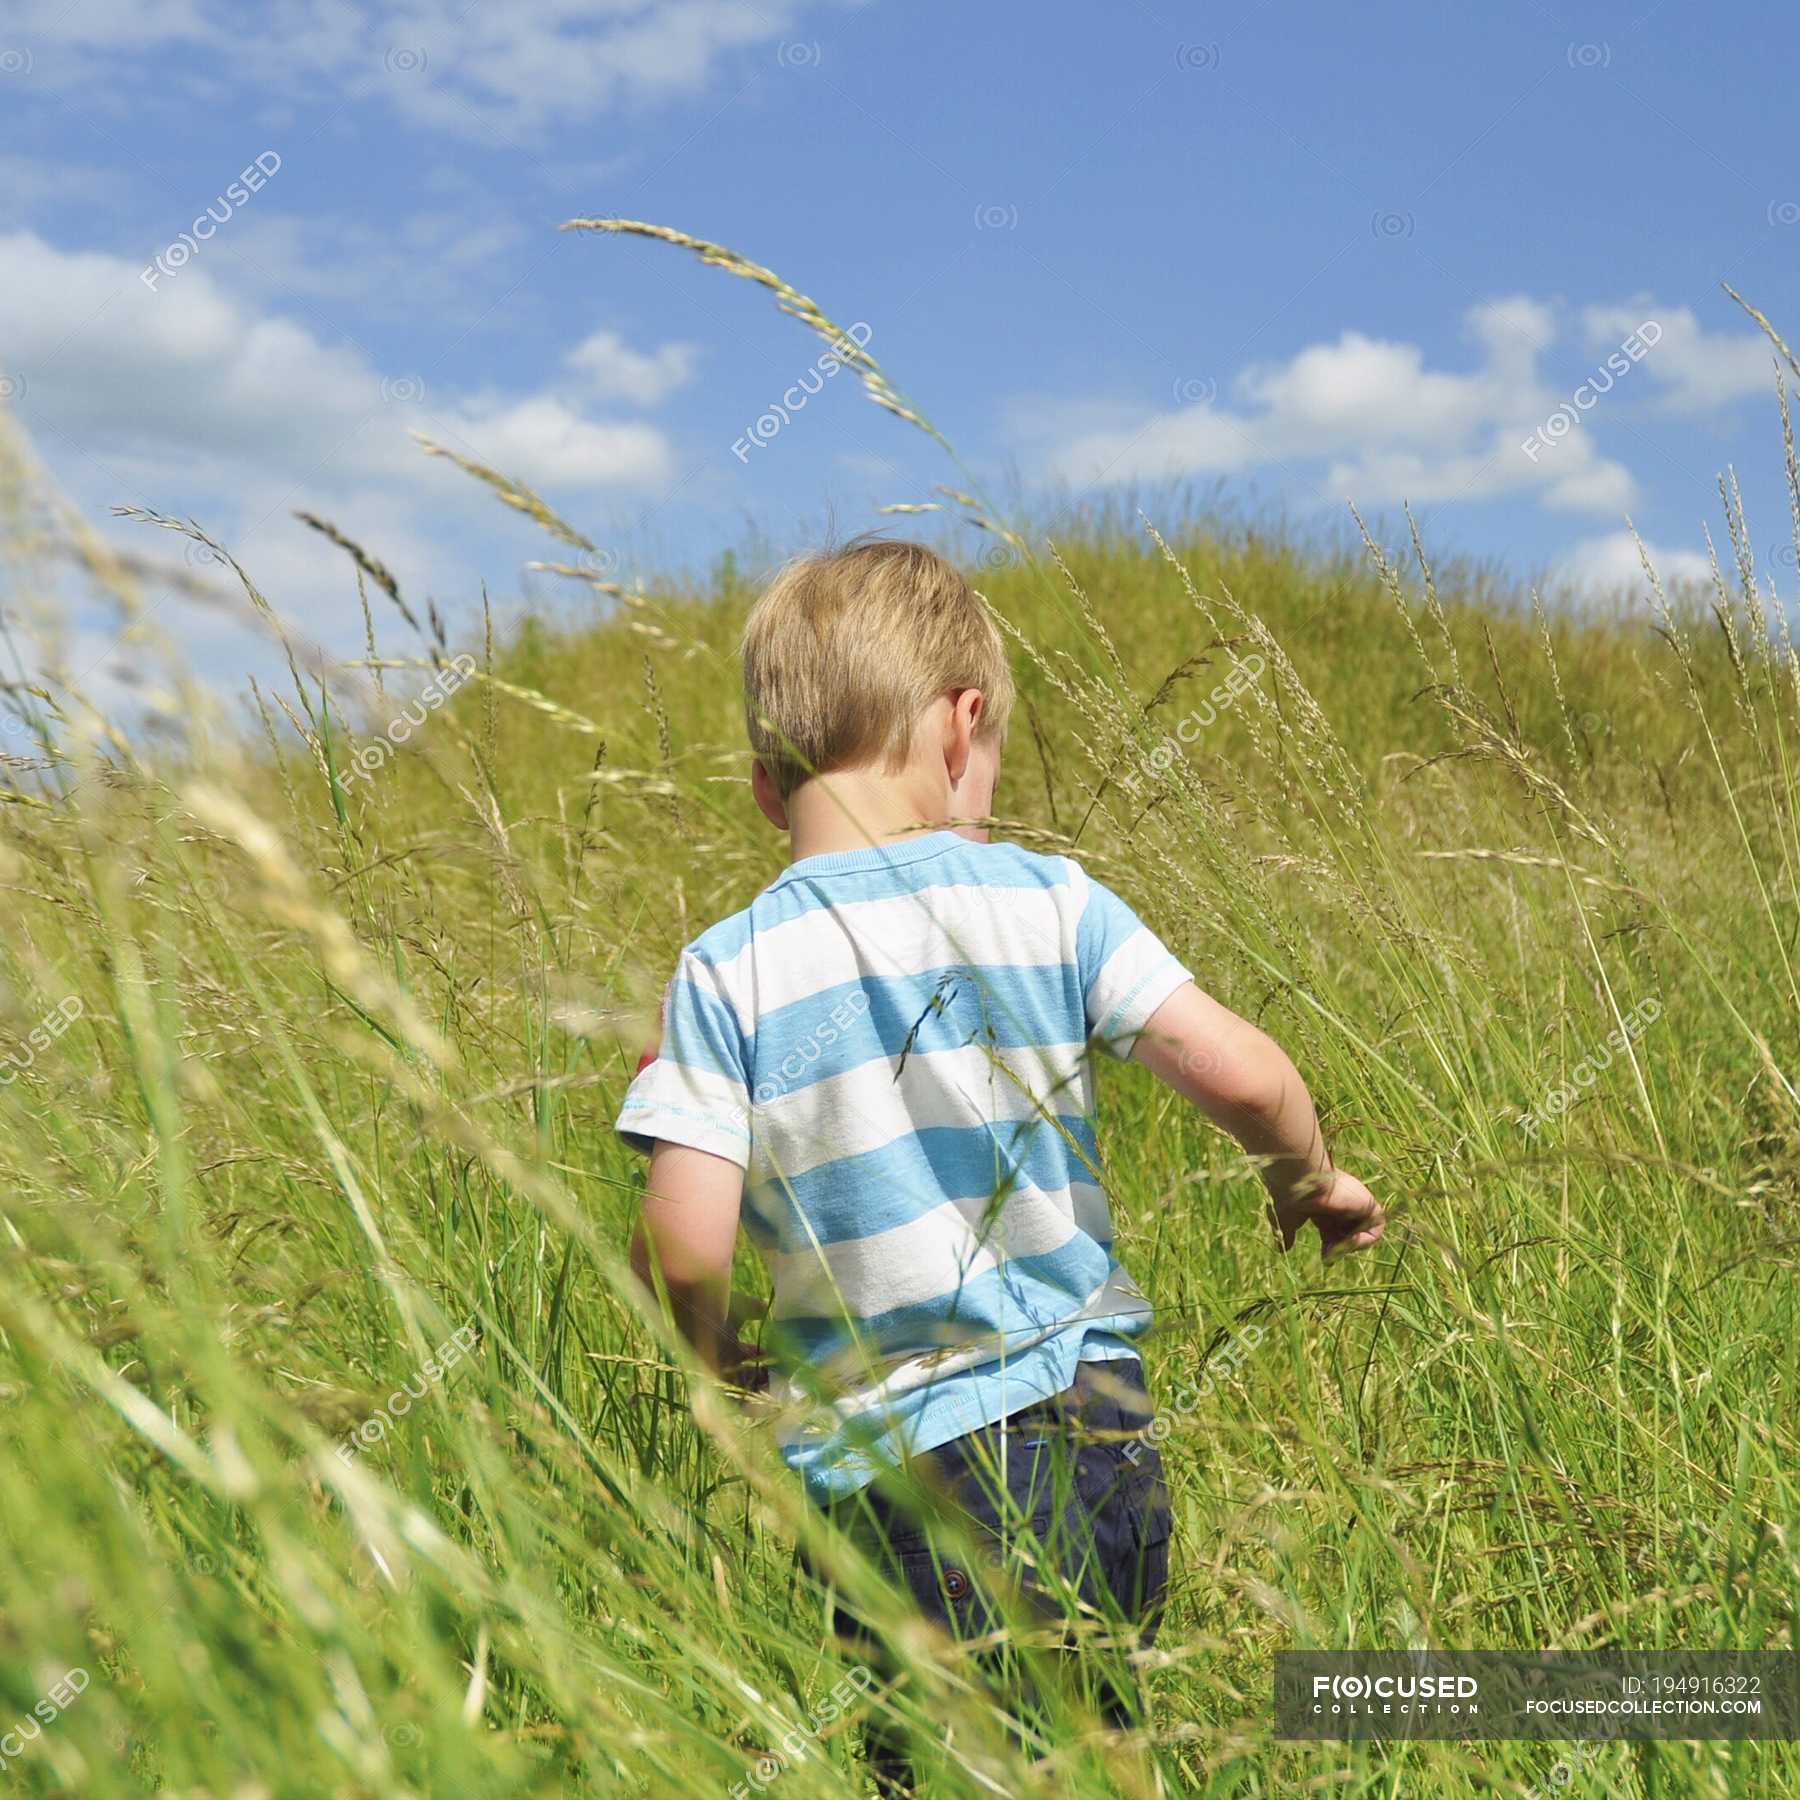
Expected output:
(322, 1085)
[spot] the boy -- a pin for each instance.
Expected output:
(885, 1057)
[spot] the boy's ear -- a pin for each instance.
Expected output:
(966, 708)
(768, 795)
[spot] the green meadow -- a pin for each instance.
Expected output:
(342, 1457)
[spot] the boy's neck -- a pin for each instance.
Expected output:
(856, 809)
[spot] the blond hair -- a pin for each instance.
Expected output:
(847, 648)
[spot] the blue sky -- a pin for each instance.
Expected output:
(1300, 252)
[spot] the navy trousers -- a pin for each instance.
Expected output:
(1069, 1511)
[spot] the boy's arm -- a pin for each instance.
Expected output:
(1243, 1081)
(687, 1235)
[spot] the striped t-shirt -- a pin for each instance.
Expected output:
(893, 1044)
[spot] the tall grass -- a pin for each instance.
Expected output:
(340, 1059)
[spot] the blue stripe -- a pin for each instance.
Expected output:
(701, 1032)
(1012, 1006)
(943, 859)
(857, 1196)
(1106, 923)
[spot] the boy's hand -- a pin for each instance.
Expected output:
(741, 1361)
(1243, 1080)
(744, 1365)
(1348, 1216)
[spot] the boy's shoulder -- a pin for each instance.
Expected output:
(723, 940)
(1005, 867)
(1000, 867)
(1002, 864)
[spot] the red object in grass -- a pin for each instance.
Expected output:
(655, 1043)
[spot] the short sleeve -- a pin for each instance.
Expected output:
(694, 1091)
(1127, 971)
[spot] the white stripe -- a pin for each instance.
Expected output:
(933, 1255)
(718, 1097)
(849, 940)
(1139, 957)
(867, 1108)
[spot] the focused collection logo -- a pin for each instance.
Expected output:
(1385, 1694)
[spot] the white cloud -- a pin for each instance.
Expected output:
(187, 373)
(478, 70)
(1515, 331)
(1698, 371)
(1610, 566)
(614, 371)
(1393, 427)
(1364, 390)
(544, 444)
(194, 402)
(423, 263)
(1585, 482)
(1573, 479)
